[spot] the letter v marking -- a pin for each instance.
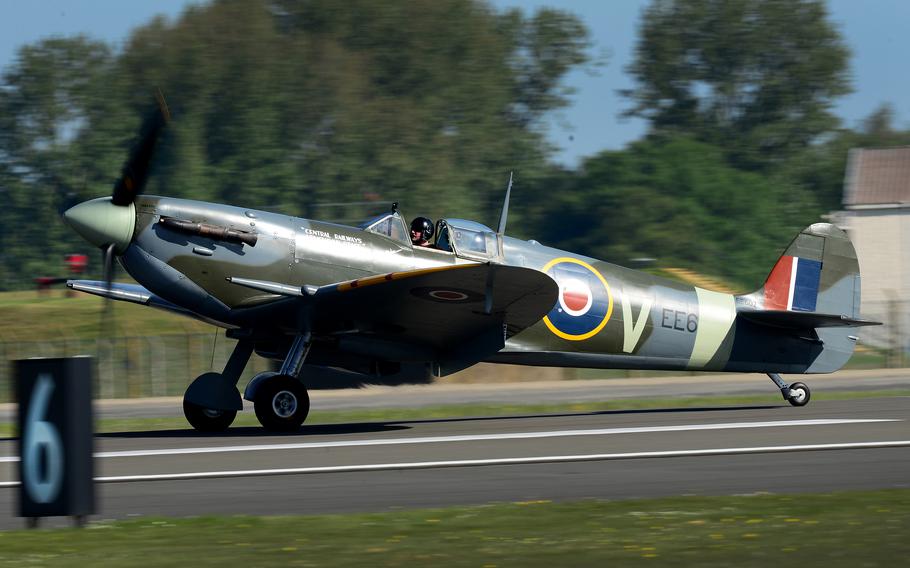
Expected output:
(632, 333)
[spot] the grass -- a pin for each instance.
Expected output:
(869, 358)
(28, 316)
(455, 411)
(836, 529)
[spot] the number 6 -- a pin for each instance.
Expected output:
(38, 434)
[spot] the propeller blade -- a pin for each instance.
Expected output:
(135, 171)
(108, 266)
(105, 346)
(66, 195)
(67, 201)
(106, 326)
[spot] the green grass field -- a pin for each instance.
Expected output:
(848, 529)
(28, 316)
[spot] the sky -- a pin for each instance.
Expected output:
(875, 31)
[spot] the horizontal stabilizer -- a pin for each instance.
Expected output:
(802, 320)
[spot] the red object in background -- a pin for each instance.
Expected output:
(76, 262)
(44, 283)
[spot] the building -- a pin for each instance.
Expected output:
(877, 216)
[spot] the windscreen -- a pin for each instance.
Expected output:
(390, 226)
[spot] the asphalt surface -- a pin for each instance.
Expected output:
(828, 445)
(410, 396)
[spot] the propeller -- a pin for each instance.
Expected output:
(130, 185)
(135, 171)
(108, 223)
(112, 220)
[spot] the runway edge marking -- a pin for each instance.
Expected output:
(489, 462)
(481, 437)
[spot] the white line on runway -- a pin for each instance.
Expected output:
(488, 462)
(479, 437)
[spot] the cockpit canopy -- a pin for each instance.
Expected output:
(468, 239)
(465, 238)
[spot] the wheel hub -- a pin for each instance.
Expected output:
(284, 404)
(212, 413)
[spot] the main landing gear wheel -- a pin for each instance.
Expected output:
(207, 419)
(281, 404)
(799, 394)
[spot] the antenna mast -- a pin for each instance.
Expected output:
(505, 209)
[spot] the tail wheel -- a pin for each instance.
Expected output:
(208, 419)
(281, 404)
(799, 394)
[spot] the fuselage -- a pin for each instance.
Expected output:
(606, 315)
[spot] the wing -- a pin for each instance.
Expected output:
(451, 314)
(445, 308)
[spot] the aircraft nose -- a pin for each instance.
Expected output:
(101, 223)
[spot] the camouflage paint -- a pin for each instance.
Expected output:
(605, 315)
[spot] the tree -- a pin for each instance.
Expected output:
(757, 77)
(677, 200)
(288, 104)
(821, 168)
(45, 103)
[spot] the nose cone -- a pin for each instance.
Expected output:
(101, 223)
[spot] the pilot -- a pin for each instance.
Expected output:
(421, 231)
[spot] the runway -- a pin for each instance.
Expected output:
(538, 392)
(828, 445)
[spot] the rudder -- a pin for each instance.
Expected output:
(818, 272)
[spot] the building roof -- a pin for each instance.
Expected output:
(877, 176)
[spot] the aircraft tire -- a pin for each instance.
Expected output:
(799, 394)
(281, 404)
(208, 420)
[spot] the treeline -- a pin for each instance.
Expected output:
(329, 110)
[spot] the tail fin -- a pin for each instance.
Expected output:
(813, 294)
(817, 273)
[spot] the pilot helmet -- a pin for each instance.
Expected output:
(423, 226)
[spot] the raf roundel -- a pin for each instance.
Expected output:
(575, 297)
(447, 295)
(584, 304)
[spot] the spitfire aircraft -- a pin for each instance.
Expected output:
(364, 301)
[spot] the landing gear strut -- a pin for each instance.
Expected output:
(280, 399)
(212, 401)
(797, 394)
